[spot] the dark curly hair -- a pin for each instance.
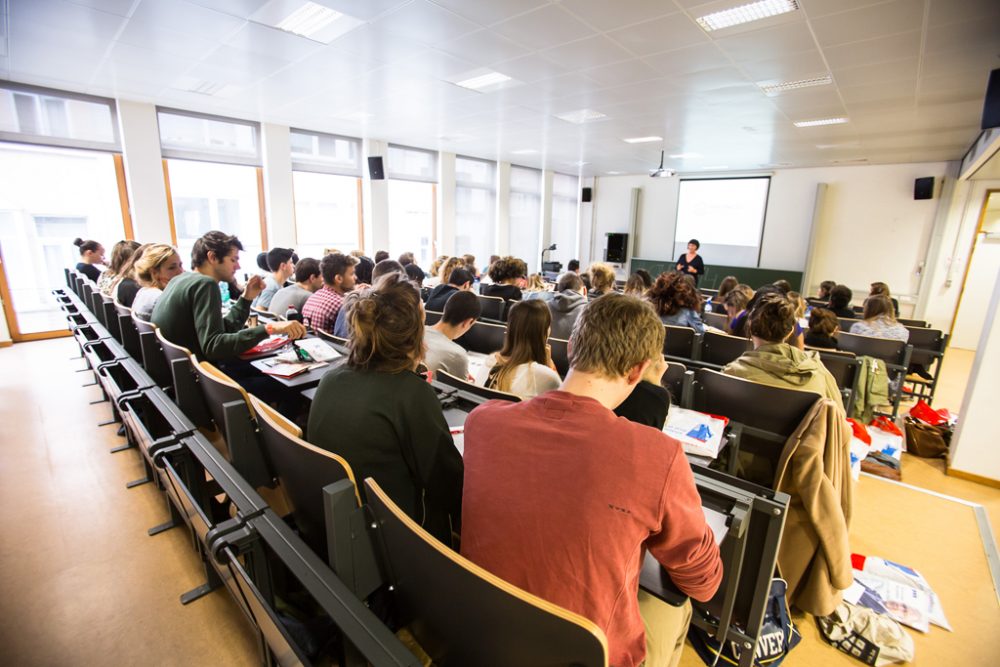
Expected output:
(772, 317)
(671, 292)
(508, 268)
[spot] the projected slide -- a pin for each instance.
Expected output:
(726, 216)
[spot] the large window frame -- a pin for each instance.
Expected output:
(568, 198)
(532, 258)
(395, 171)
(487, 187)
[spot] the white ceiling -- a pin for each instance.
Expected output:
(910, 74)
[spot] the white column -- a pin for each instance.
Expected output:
(585, 223)
(4, 332)
(973, 449)
(501, 242)
(545, 226)
(279, 200)
(147, 194)
(375, 199)
(446, 228)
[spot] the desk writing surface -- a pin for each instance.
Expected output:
(305, 380)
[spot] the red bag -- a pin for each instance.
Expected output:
(923, 412)
(883, 423)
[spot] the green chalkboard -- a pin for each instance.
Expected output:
(714, 273)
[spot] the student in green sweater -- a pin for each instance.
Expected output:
(189, 312)
(383, 418)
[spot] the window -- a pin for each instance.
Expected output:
(193, 136)
(326, 213)
(207, 196)
(43, 116)
(49, 197)
(526, 215)
(412, 207)
(726, 215)
(475, 207)
(329, 153)
(565, 194)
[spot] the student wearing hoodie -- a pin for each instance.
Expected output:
(776, 363)
(566, 304)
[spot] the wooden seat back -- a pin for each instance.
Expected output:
(720, 349)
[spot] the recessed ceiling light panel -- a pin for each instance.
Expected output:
(483, 81)
(305, 19)
(643, 140)
(753, 11)
(821, 121)
(775, 88)
(581, 116)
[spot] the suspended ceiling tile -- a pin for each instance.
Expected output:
(797, 67)
(182, 44)
(950, 11)
(605, 15)
(663, 34)
(977, 60)
(627, 71)
(965, 35)
(366, 10)
(425, 22)
(817, 8)
(871, 51)
(542, 28)
(265, 40)
(135, 63)
(709, 79)
(588, 52)
(484, 47)
(66, 17)
(886, 72)
(377, 44)
(530, 68)
(436, 65)
(154, 15)
(778, 42)
(119, 7)
(488, 12)
(689, 59)
(855, 96)
(880, 20)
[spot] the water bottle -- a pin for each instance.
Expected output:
(224, 292)
(292, 315)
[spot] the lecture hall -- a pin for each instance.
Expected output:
(499, 332)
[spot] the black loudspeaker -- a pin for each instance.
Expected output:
(587, 195)
(991, 106)
(375, 170)
(617, 247)
(923, 188)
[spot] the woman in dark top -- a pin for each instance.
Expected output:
(383, 418)
(126, 286)
(882, 288)
(690, 262)
(840, 302)
(505, 273)
(91, 253)
(823, 327)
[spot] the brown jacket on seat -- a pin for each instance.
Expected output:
(815, 470)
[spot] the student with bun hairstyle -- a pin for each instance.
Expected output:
(157, 266)
(823, 328)
(383, 418)
(523, 366)
(776, 363)
(91, 253)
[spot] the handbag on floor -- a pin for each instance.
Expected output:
(930, 442)
(778, 635)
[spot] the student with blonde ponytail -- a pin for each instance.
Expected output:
(383, 418)
(153, 270)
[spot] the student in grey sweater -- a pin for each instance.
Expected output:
(461, 311)
(566, 305)
(308, 279)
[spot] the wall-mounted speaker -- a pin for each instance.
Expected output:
(375, 170)
(587, 194)
(991, 106)
(617, 248)
(923, 188)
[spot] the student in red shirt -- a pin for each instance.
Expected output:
(563, 498)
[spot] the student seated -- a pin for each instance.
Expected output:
(563, 499)
(776, 363)
(280, 263)
(566, 304)
(158, 265)
(505, 274)
(189, 312)
(735, 304)
(823, 328)
(879, 321)
(727, 285)
(883, 289)
(649, 402)
(524, 365)
(470, 265)
(443, 354)
(602, 279)
(383, 418)
(125, 286)
(638, 283)
(676, 301)
(91, 255)
(442, 275)
(825, 288)
(459, 280)
(119, 255)
(320, 310)
(840, 302)
(415, 274)
(380, 255)
(308, 279)
(342, 328)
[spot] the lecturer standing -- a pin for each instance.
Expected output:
(691, 262)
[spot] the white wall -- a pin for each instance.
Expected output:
(375, 200)
(147, 194)
(279, 202)
(974, 449)
(446, 225)
(4, 331)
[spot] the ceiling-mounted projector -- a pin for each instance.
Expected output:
(660, 172)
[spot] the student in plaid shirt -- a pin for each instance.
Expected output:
(321, 309)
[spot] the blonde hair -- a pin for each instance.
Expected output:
(535, 283)
(387, 327)
(153, 257)
(449, 265)
(602, 277)
(613, 335)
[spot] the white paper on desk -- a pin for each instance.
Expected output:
(318, 349)
(701, 434)
(459, 439)
(717, 522)
(476, 361)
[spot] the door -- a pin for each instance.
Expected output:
(980, 276)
